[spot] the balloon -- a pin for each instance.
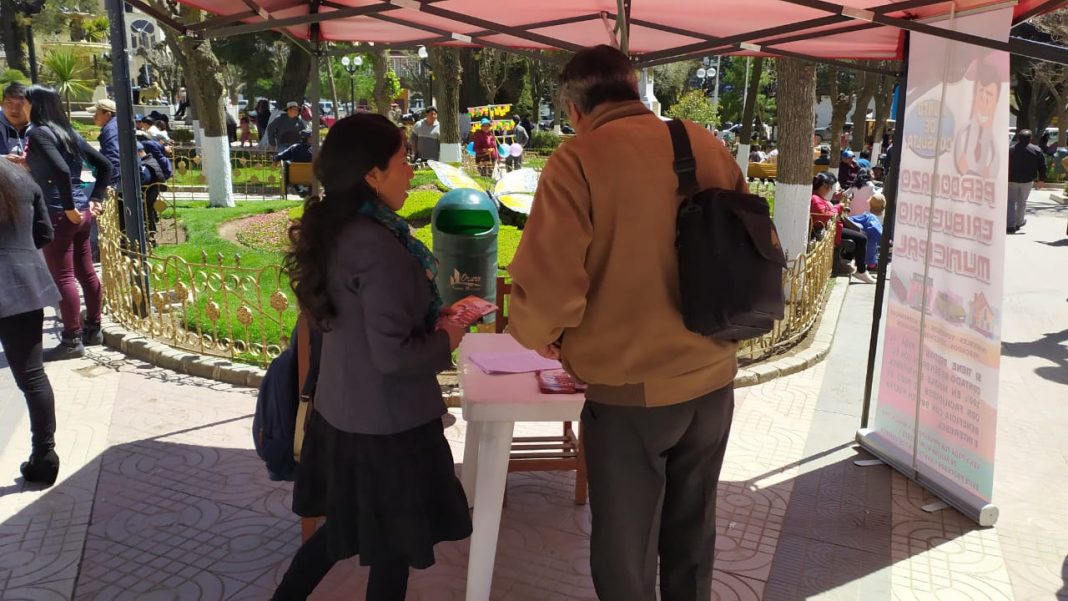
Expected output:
(471, 148)
(515, 150)
(504, 150)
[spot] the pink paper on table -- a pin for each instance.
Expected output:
(512, 363)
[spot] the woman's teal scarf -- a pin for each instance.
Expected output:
(400, 228)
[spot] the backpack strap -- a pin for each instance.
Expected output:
(685, 165)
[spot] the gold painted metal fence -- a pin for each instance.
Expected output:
(212, 307)
(253, 174)
(217, 307)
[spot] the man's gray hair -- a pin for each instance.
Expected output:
(597, 75)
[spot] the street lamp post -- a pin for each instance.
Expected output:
(351, 65)
(709, 72)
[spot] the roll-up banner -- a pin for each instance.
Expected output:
(935, 418)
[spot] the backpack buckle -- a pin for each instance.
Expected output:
(686, 165)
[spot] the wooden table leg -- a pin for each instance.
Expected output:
(469, 468)
(495, 443)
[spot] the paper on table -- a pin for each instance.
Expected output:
(512, 363)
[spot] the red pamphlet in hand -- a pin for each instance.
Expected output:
(467, 311)
(558, 381)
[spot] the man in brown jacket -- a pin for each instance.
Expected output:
(595, 282)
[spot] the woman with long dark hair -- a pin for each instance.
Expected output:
(55, 156)
(27, 288)
(375, 461)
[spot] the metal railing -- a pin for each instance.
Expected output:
(253, 175)
(218, 307)
(212, 307)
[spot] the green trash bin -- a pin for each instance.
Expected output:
(465, 224)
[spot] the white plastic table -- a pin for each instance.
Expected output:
(491, 406)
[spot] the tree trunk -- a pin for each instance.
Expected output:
(884, 99)
(445, 63)
(745, 137)
(797, 113)
(206, 93)
(14, 34)
(471, 92)
(380, 60)
(1023, 90)
(869, 81)
(333, 85)
(295, 77)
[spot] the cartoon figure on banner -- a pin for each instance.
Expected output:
(975, 147)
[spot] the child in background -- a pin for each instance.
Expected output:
(872, 224)
(246, 130)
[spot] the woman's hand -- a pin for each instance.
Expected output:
(456, 333)
(74, 216)
(96, 208)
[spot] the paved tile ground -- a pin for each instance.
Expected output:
(162, 498)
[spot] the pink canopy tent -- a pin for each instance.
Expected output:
(657, 31)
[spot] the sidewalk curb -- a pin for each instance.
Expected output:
(239, 374)
(816, 352)
(1058, 198)
(181, 361)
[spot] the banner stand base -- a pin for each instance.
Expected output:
(935, 506)
(869, 462)
(984, 514)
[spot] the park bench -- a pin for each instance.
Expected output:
(769, 171)
(296, 174)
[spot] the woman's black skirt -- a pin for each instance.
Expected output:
(385, 497)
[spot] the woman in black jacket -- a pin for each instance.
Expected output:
(27, 288)
(55, 156)
(375, 461)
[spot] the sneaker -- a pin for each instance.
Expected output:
(69, 348)
(864, 277)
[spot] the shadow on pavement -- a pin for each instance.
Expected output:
(176, 520)
(1050, 347)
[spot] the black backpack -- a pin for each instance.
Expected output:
(731, 262)
(275, 421)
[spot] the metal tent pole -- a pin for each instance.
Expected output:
(317, 61)
(132, 207)
(891, 192)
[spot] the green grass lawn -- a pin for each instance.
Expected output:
(252, 275)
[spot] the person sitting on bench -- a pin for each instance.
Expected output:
(301, 152)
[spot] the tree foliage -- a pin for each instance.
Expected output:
(1053, 77)
(731, 103)
(695, 106)
(493, 68)
(10, 76)
(66, 72)
(671, 81)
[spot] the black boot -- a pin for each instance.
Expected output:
(70, 347)
(91, 333)
(42, 468)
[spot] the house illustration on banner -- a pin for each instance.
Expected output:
(981, 315)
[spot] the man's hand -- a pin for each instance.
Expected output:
(74, 217)
(96, 208)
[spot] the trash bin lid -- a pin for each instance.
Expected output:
(466, 211)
